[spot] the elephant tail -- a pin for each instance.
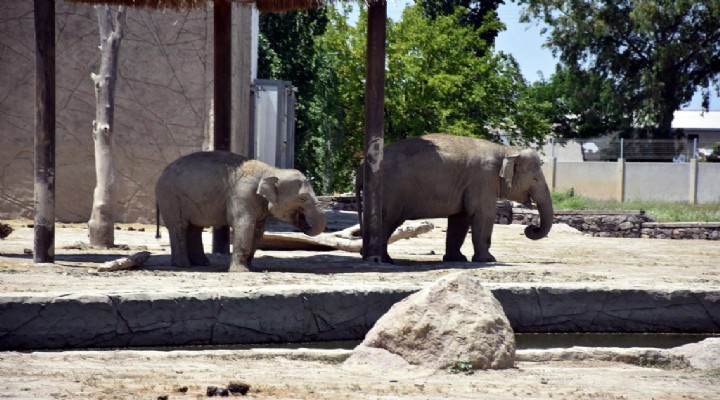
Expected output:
(157, 221)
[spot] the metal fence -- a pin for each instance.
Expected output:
(661, 150)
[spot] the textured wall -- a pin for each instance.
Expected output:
(160, 105)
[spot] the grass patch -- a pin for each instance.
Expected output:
(662, 212)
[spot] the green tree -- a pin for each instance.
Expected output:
(288, 51)
(582, 105)
(655, 53)
(437, 83)
(479, 14)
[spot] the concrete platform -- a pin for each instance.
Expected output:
(567, 282)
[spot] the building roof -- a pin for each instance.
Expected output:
(698, 120)
(262, 5)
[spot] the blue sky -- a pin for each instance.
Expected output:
(524, 42)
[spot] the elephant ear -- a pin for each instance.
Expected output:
(508, 169)
(268, 188)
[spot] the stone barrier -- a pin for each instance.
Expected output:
(312, 314)
(682, 230)
(632, 224)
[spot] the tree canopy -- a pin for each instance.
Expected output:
(479, 14)
(654, 54)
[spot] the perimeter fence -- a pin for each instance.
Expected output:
(667, 150)
(679, 171)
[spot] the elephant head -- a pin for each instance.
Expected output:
(291, 199)
(522, 180)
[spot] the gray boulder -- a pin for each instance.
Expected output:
(454, 320)
(701, 355)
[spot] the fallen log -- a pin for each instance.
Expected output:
(130, 262)
(348, 239)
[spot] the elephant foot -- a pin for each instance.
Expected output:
(454, 258)
(483, 258)
(386, 259)
(239, 267)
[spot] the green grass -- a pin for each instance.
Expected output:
(662, 212)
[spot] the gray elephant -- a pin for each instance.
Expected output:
(219, 188)
(440, 175)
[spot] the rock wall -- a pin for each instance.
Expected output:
(160, 106)
(632, 224)
(595, 223)
(682, 230)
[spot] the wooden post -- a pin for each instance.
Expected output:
(44, 241)
(102, 218)
(222, 93)
(245, 31)
(374, 132)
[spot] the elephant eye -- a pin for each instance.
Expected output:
(304, 198)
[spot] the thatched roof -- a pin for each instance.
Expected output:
(262, 5)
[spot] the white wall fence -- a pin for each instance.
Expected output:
(690, 182)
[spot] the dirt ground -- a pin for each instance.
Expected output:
(566, 257)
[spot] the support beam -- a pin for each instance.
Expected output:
(44, 242)
(374, 132)
(244, 60)
(222, 18)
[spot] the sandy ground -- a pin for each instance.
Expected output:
(566, 257)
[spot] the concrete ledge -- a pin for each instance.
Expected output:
(301, 314)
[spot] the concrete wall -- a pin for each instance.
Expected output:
(657, 181)
(160, 107)
(708, 183)
(592, 179)
(690, 182)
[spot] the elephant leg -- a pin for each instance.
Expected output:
(458, 226)
(178, 242)
(389, 226)
(196, 252)
(257, 237)
(243, 242)
(482, 227)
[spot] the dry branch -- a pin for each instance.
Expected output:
(130, 262)
(347, 239)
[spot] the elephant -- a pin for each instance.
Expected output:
(441, 175)
(219, 188)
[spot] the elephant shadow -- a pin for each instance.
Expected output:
(332, 262)
(336, 262)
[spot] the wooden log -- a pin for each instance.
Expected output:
(346, 240)
(130, 262)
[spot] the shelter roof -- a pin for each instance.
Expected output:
(262, 5)
(689, 119)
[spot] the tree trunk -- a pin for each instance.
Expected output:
(101, 222)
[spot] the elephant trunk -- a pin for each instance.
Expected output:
(318, 221)
(541, 195)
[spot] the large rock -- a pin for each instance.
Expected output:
(701, 355)
(455, 319)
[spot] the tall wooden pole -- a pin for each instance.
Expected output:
(222, 89)
(44, 241)
(374, 132)
(101, 229)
